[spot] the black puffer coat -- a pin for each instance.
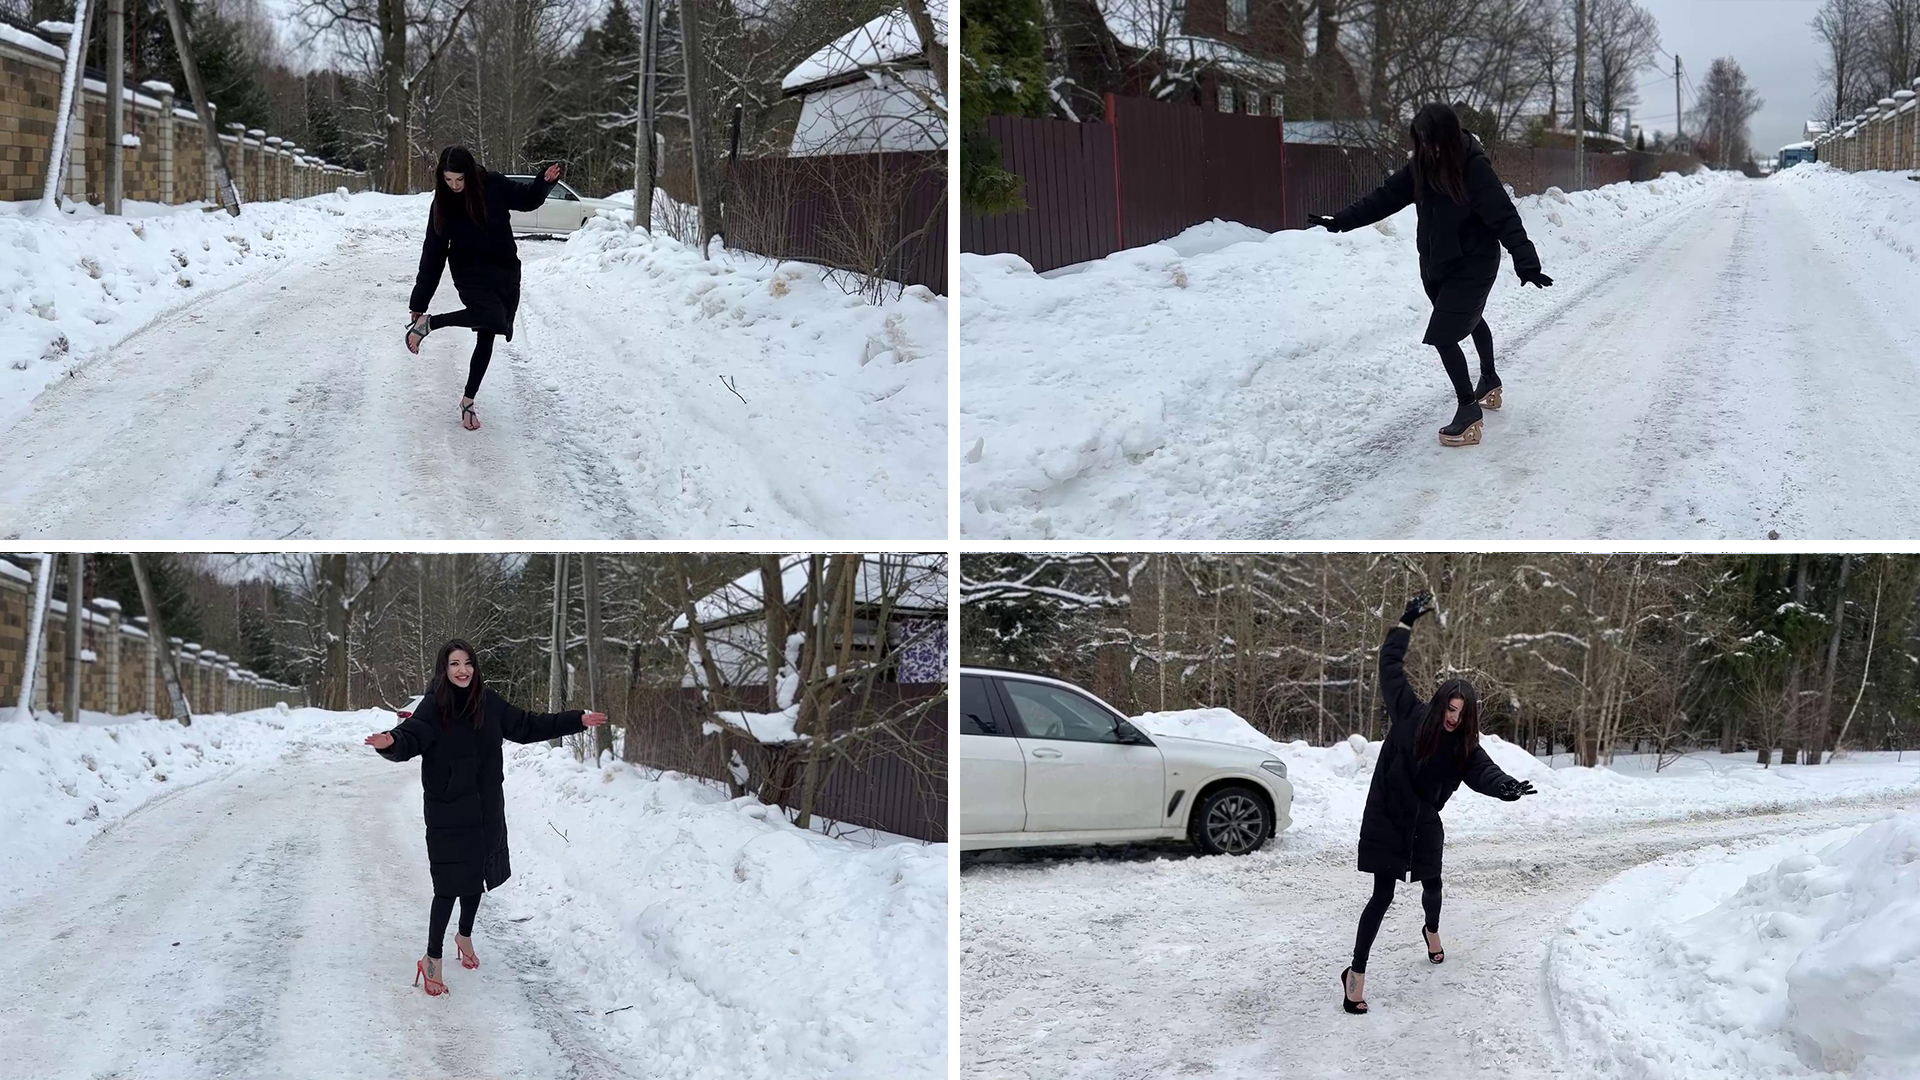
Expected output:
(1459, 243)
(1400, 831)
(460, 778)
(486, 265)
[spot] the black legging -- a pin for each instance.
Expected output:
(1455, 361)
(469, 907)
(1376, 909)
(483, 345)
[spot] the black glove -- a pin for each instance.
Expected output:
(1323, 221)
(1535, 278)
(1513, 789)
(1417, 607)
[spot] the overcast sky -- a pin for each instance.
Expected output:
(1772, 39)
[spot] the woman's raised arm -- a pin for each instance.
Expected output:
(410, 738)
(1401, 700)
(1379, 204)
(519, 725)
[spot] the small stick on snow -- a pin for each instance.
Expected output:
(557, 831)
(730, 386)
(622, 1008)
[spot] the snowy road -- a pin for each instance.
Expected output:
(1143, 963)
(1734, 381)
(1719, 360)
(266, 924)
(647, 394)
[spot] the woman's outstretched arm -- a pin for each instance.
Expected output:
(1400, 698)
(410, 738)
(1488, 779)
(1490, 202)
(530, 194)
(1379, 204)
(521, 726)
(433, 259)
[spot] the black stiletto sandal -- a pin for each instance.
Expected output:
(1346, 1002)
(1439, 957)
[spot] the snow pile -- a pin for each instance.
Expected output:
(1798, 960)
(1210, 725)
(1139, 393)
(726, 927)
(74, 285)
(60, 784)
(1871, 217)
(827, 409)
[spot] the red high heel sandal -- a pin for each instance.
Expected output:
(434, 986)
(468, 958)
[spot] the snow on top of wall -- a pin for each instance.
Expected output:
(776, 727)
(15, 572)
(158, 86)
(886, 39)
(15, 36)
(919, 582)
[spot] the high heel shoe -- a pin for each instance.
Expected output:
(1487, 396)
(468, 959)
(434, 986)
(1465, 429)
(1436, 956)
(1346, 1002)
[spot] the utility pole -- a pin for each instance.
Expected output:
(1679, 125)
(36, 636)
(1626, 128)
(691, 61)
(644, 167)
(71, 85)
(161, 643)
(557, 654)
(76, 601)
(1579, 95)
(590, 582)
(116, 108)
(216, 154)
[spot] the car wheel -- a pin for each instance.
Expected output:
(1232, 820)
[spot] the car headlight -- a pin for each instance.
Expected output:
(1276, 767)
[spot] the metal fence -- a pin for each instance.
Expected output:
(902, 791)
(1150, 170)
(880, 215)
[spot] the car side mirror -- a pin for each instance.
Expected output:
(1130, 735)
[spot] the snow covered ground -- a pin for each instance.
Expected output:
(1148, 961)
(246, 897)
(1678, 382)
(188, 375)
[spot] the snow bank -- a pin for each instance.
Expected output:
(1800, 959)
(1871, 217)
(74, 285)
(1330, 784)
(60, 784)
(747, 947)
(840, 404)
(1138, 394)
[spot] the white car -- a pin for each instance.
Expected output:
(564, 211)
(1044, 762)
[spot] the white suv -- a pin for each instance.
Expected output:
(1044, 762)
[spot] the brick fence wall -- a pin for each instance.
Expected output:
(169, 165)
(122, 669)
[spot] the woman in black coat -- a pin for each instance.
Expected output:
(470, 230)
(455, 732)
(1431, 748)
(1465, 217)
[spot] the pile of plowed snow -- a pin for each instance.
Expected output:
(1799, 960)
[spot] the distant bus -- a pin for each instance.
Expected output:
(1794, 154)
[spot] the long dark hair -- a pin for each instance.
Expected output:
(472, 201)
(1439, 152)
(445, 694)
(1434, 727)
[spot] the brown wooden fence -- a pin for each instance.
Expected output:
(864, 213)
(902, 791)
(1150, 170)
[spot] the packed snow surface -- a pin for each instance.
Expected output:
(247, 896)
(1798, 959)
(1069, 957)
(189, 375)
(1232, 383)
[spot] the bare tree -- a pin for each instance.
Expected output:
(1843, 28)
